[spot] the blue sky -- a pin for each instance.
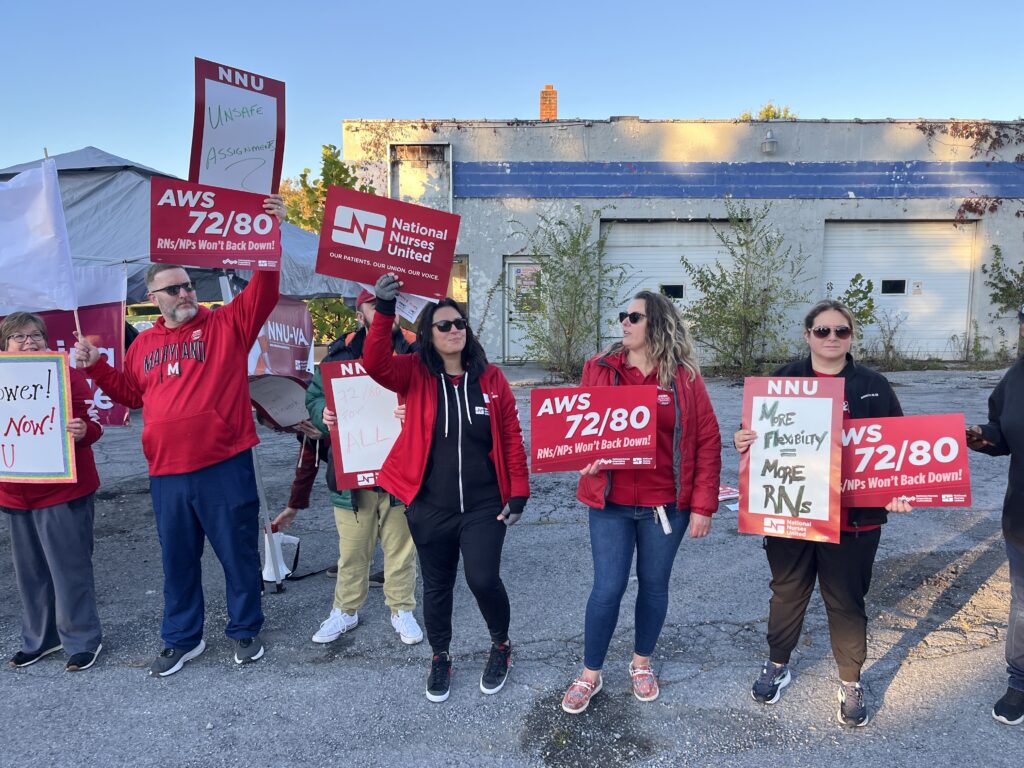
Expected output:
(119, 75)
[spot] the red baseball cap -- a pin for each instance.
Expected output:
(363, 297)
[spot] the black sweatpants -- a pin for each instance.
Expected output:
(843, 572)
(440, 534)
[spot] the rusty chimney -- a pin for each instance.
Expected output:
(549, 103)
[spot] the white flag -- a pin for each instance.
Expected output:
(35, 258)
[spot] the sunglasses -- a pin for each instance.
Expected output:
(633, 317)
(444, 326)
(842, 332)
(174, 290)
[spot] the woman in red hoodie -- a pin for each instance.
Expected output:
(646, 510)
(459, 466)
(51, 532)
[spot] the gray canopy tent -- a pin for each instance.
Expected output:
(106, 205)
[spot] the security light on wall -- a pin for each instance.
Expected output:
(770, 143)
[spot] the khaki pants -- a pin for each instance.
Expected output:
(358, 532)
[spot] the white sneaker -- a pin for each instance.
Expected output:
(407, 628)
(337, 624)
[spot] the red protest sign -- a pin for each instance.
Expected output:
(238, 129)
(789, 477)
(201, 226)
(364, 236)
(284, 346)
(571, 427)
(920, 458)
(367, 427)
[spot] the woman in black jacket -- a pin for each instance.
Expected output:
(843, 570)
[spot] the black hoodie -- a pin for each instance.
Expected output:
(1005, 430)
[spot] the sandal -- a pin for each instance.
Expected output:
(644, 683)
(577, 698)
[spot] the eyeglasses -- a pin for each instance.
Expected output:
(22, 337)
(174, 290)
(842, 332)
(633, 317)
(444, 326)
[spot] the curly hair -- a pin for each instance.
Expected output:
(668, 341)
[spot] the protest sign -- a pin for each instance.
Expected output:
(789, 477)
(285, 344)
(238, 130)
(279, 400)
(202, 226)
(363, 236)
(35, 408)
(571, 427)
(922, 459)
(367, 427)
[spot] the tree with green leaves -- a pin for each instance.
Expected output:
(1006, 287)
(769, 112)
(305, 197)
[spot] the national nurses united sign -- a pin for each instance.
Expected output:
(364, 236)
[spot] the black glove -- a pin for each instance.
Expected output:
(387, 287)
(514, 510)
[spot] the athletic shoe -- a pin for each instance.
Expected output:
(496, 670)
(439, 681)
(852, 711)
(578, 697)
(643, 682)
(377, 579)
(335, 625)
(768, 687)
(171, 660)
(332, 571)
(248, 650)
(406, 627)
(83, 660)
(22, 659)
(1009, 710)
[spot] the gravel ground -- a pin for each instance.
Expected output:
(938, 614)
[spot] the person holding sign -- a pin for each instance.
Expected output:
(189, 375)
(459, 465)
(843, 570)
(646, 510)
(52, 531)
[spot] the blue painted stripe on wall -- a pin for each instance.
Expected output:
(905, 179)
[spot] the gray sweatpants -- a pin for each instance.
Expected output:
(52, 549)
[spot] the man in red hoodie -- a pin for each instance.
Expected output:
(189, 375)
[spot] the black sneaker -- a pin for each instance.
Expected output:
(248, 650)
(22, 659)
(439, 682)
(83, 660)
(496, 671)
(1009, 710)
(171, 660)
(768, 687)
(852, 711)
(377, 579)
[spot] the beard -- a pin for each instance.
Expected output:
(184, 313)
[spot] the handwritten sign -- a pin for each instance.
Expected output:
(367, 427)
(364, 236)
(789, 478)
(571, 427)
(204, 226)
(35, 408)
(238, 132)
(920, 458)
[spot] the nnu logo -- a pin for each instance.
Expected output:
(362, 229)
(366, 478)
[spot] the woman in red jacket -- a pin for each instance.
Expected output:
(459, 465)
(646, 510)
(51, 532)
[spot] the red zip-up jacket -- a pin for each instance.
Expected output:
(39, 495)
(697, 442)
(404, 468)
(192, 382)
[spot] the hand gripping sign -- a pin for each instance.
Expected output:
(571, 427)
(789, 477)
(367, 427)
(364, 236)
(203, 226)
(920, 458)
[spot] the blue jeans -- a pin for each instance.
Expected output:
(615, 533)
(1015, 626)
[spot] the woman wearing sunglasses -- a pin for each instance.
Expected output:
(459, 465)
(843, 570)
(646, 510)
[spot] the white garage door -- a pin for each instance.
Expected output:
(650, 253)
(921, 270)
